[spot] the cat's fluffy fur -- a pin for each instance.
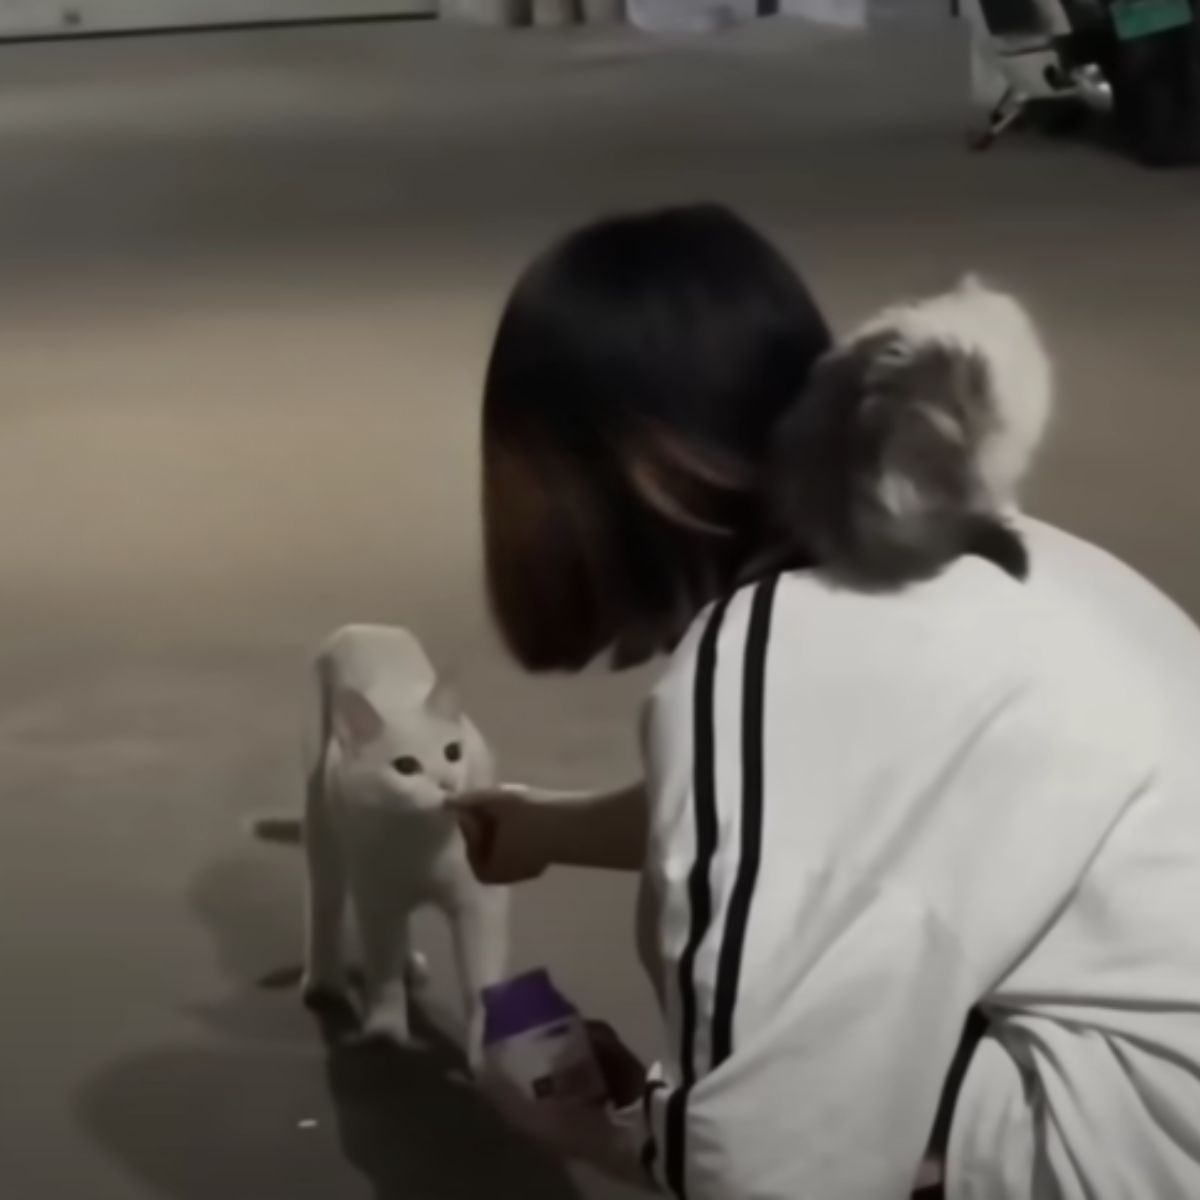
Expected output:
(392, 743)
(913, 437)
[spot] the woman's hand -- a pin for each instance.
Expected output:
(624, 1073)
(598, 1134)
(507, 834)
(514, 833)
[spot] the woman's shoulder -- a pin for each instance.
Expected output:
(971, 631)
(816, 617)
(856, 695)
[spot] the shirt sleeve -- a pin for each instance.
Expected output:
(825, 929)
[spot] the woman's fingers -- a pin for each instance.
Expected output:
(501, 831)
(592, 1133)
(624, 1074)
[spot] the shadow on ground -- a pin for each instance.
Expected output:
(413, 1130)
(270, 1111)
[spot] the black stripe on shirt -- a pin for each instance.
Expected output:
(737, 919)
(699, 890)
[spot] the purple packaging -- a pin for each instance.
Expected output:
(536, 1039)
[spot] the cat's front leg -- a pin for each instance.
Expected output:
(384, 934)
(324, 979)
(479, 923)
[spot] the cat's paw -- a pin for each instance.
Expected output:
(329, 1001)
(475, 1065)
(385, 1030)
(317, 988)
(416, 970)
(334, 1010)
(473, 1045)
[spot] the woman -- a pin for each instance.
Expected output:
(911, 759)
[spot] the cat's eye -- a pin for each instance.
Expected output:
(454, 752)
(407, 765)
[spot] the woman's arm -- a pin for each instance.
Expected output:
(515, 833)
(599, 829)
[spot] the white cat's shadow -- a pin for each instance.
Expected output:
(198, 1120)
(193, 1123)
(248, 905)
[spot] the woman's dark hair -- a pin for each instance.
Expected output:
(639, 370)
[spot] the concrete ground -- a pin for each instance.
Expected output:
(247, 287)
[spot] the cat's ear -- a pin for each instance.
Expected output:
(356, 721)
(443, 701)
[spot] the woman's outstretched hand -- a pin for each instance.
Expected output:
(514, 833)
(506, 831)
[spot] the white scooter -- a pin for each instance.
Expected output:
(1138, 59)
(1026, 56)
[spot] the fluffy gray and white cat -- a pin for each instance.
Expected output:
(392, 744)
(913, 438)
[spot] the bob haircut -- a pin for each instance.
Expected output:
(638, 374)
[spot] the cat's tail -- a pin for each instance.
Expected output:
(282, 829)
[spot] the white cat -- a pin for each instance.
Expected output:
(393, 743)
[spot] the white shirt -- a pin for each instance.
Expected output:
(870, 813)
